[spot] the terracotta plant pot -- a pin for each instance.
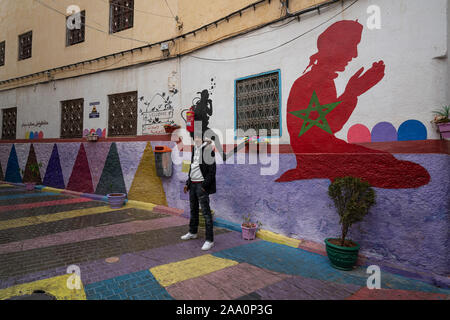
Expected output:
(444, 129)
(249, 233)
(342, 258)
(170, 129)
(30, 186)
(116, 200)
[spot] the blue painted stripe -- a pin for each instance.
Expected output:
(28, 195)
(294, 261)
(222, 223)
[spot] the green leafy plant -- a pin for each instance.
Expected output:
(441, 115)
(352, 198)
(248, 222)
(34, 171)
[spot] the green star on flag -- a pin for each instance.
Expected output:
(322, 110)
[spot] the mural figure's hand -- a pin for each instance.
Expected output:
(185, 189)
(359, 84)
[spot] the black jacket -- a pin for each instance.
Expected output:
(208, 171)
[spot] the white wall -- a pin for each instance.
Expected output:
(412, 38)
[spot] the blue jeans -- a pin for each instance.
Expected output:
(199, 197)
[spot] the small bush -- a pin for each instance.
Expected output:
(352, 199)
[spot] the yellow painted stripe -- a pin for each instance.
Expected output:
(141, 205)
(277, 238)
(56, 286)
(172, 273)
(22, 222)
(6, 185)
(50, 189)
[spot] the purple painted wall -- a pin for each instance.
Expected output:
(407, 227)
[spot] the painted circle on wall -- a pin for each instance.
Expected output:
(36, 135)
(412, 130)
(41, 135)
(99, 132)
(31, 135)
(85, 132)
(358, 133)
(27, 135)
(104, 133)
(383, 132)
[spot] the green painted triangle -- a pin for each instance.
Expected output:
(111, 180)
(32, 173)
(1, 173)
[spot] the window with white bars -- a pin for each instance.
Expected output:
(25, 45)
(122, 114)
(72, 118)
(121, 15)
(9, 123)
(258, 103)
(2, 53)
(74, 36)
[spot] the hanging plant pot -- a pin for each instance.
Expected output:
(249, 232)
(342, 258)
(30, 186)
(116, 200)
(444, 129)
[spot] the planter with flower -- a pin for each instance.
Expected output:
(92, 137)
(250, 228)
(31, 175)
(171, 127)
(352, 198)
(442, 121)
(115, 199)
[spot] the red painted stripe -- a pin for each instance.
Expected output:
(43, 204)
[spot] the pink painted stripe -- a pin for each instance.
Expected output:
(92, 233)
(43, 204)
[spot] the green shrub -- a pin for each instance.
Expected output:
(352, 199)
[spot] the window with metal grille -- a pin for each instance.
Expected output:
(258, 103)
(2, 53)
(72, 118)
(74, 36)
(25, 44)
(122, 114)
(121, 15)
(9, 123)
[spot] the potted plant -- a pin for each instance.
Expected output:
(32, 179)
(352, 198)
(92, 137)
(442, 121)
(171, 127)
(116, 199)
(249, 228)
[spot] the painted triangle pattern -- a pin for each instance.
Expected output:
(81, 179)
(12, 169)
(1, 174)
(29, 175)
(67, 156)
(22, 151)
(147, 186)
(111, 180)
(96, 154)
(5, 150)
(130, 154)
(53, 175)
(43, 153)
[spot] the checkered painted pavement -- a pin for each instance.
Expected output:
(135, 253)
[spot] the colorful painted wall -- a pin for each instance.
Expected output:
(354, 101)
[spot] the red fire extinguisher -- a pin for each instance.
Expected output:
(190, 114)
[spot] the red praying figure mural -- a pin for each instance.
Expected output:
(315, 113)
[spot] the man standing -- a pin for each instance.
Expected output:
(200, 184)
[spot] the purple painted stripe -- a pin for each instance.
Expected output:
(99, 270)
(92, 233)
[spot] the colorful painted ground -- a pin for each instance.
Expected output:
(131, 253)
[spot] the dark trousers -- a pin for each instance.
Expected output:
(199, 197)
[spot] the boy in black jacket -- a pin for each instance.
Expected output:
(200, 184)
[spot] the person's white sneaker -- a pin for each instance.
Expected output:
(207, 245)
(189, 236)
